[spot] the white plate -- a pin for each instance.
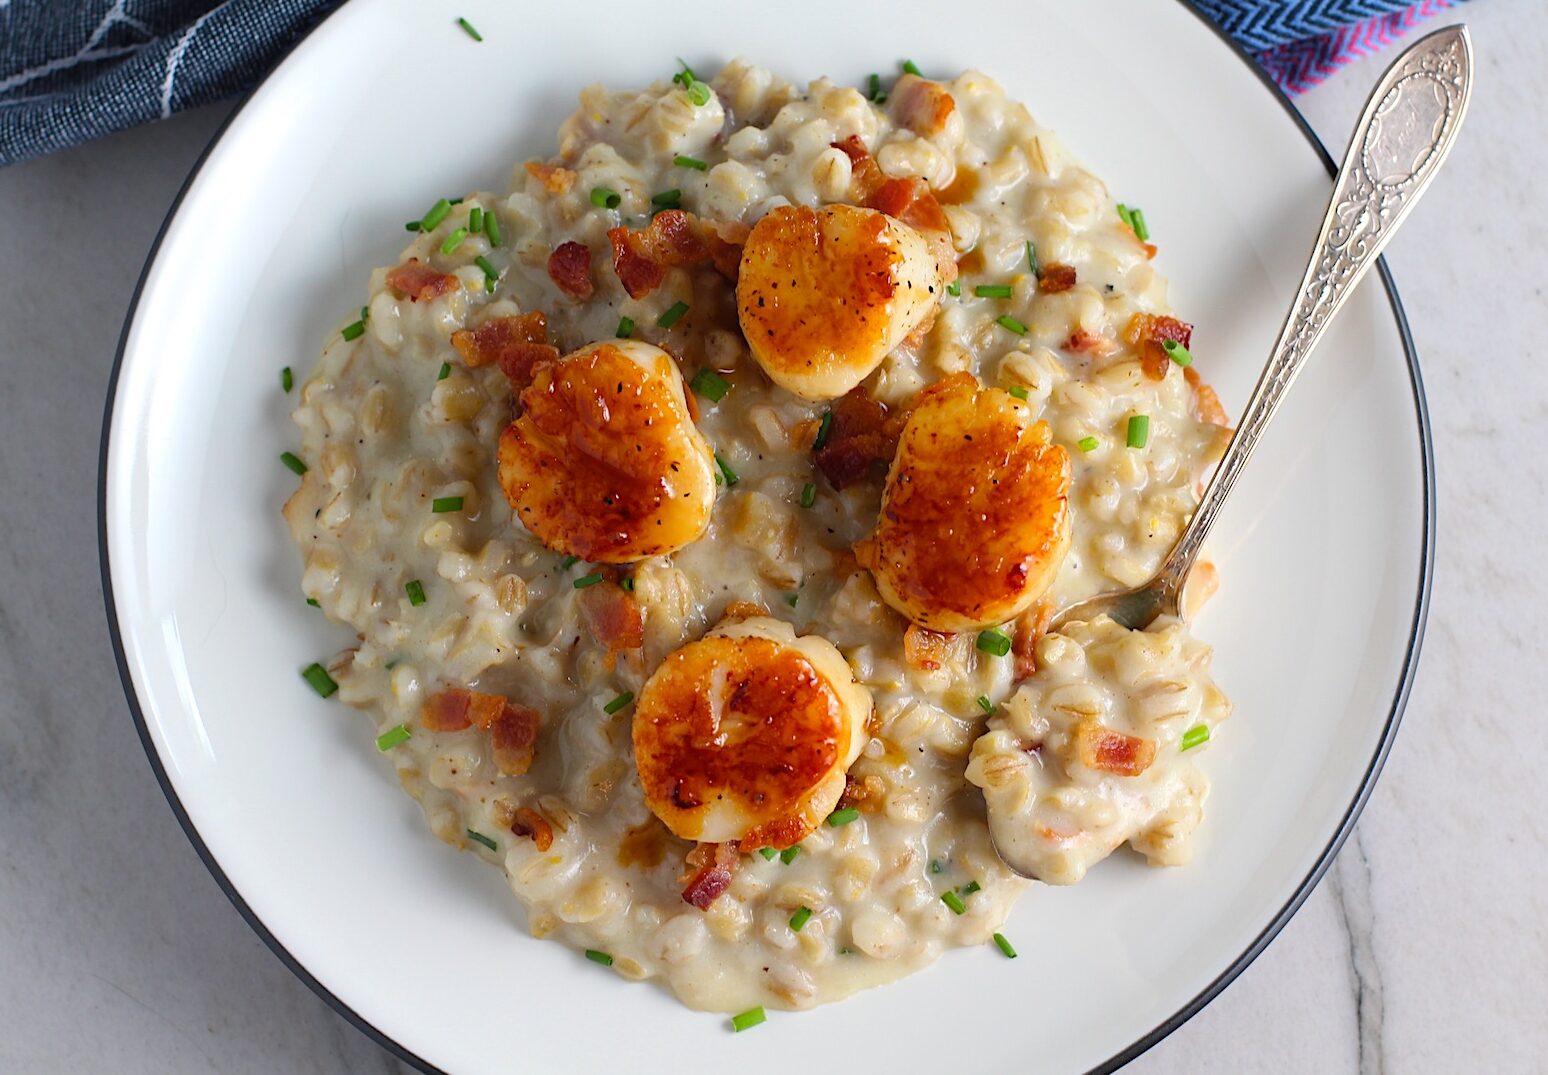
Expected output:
(387, 106)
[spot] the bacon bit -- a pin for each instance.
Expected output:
(1206, 404)
(909, 200)
(512, 728)
(743, 610)
(613, 617)
(710, 867)
(921, 105)
(517, 344)
(865, 174)
(569, 266)
(555, 180)
(862, 792)
(416, 280)
(861, 440)
(674, 238)
(513, 737)
(1148, 332)
(1030, 626)
(1101, 748)
(1056, 278)
(531, 823)
(780, 833)
(923, 648)
(1083, 342)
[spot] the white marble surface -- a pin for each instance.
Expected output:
(1425, 949)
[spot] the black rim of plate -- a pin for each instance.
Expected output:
(1184, 1013)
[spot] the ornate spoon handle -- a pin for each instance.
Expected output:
(1407, 129)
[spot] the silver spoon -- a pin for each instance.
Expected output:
(1408, 128)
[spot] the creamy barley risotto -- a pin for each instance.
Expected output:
(701, 503)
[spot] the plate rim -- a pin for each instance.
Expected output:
(1147, 1041)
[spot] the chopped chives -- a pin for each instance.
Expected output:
(911, 68)
(320, 680)
(877, 95)
(479, 837)
(748, 1019)
(800, 918)
(808, 494)
(625, 327)
(313, 602)
(454, 240)
(438, 212)
(412, 225)
(673, 315)
(293, 461)
(954, 901)
(699, 93)
(970, 888)
(490, 273)
(788, 855)
(587, 580)
(768, 853)
(445, 371)
(605, 198)
(475, 220)
(792, 598)
(1137, 221)
(840, 818)
(1018, 390)
(993, 291)
(709, 384)
(618, 703)
(1177, 352)
(626, 583)
(354, 330)
(1007, 321)
(1004, 946)
(442, 504)
(1139, 430)
(690, 162)
(416, 592)
(456, 201)
(569, 562)
(1087, 444)
(994, 641)
(492, 227)
(823, 428)
(725, 468)
(935, 866)
(954, 288)
(468, 29)
(1195, 735)
(985, 704)
(1032, 259)
(1124, 215)
(685, 77)
(599, 957)
(287, 379)
(393, 737)
(365, 313)
(667, 199)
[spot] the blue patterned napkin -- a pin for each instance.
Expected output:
(72, 70)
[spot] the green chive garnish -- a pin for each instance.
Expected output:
(1139, 430)
(788, 855)
(800, 918)
(626, 583)
(445, 371)
(1195, 735)
(667, 199)
(475, 220)
(808, 494)
(792, 598)
(954, 288)
(1032, 259)
(393, 737)
(711, 385)
(1087, 444)
(690, 162)
(318, 677)
(768, 853)
(1177, 352)
(599, 957)
(287, 379)
(993, 291)
(605, 198)
(438, 212)
(293, 461)
(354, 330)
(994, 641)
(454, 240)
(412, 225)
(1018, 390)
(673, 315)
(416, 592)
(840, 818)
(877, 95)
(935, 866)
(954, 901)
(1007, 321)
(725, 468)
(479, 837)
(587, 580)
(970, 888)
(748, 1019)
(700, 94)
(625, 327)
(442, 504)
(1004, 946)
(618, 703)
(1124, 215)
(491, 277)
(468, 29)
(985, 704)
(492, 227)
(823, 429)
(685, 77)
(365, 313)
(909, 67)
(313, 602)
(1137, 221)
(569, 562)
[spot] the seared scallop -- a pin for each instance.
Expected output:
(824, 294)
(975, 520)
(746, 734)
(605, 462)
